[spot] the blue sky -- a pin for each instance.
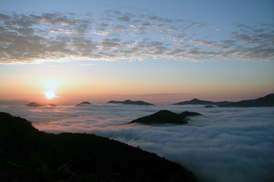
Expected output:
(131, 49)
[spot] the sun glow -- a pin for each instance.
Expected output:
(50, 93)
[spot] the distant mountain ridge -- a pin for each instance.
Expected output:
(129, 102)
(196, 101)
(266, 101)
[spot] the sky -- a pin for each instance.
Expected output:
(157, 51)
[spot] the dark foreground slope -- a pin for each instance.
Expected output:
(27, 154)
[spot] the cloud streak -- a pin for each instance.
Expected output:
(118, 35)
(224, 144)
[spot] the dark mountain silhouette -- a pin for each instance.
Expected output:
(27, 154)
(201, 102)
(34, 104)
(266, 101)
(165, 117)
(194, 101)
(130, 102)
(83, 103)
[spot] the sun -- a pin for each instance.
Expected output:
(50, 94)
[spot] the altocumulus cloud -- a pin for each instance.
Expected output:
(118, 35)
(222, 145)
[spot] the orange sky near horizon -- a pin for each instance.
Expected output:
(72, 85)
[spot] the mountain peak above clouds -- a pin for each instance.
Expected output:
(129, 102)
(165, 117)
(34, 104)
(83, 103)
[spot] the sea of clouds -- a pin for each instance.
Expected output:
(222, 145)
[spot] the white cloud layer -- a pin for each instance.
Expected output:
(120, 35)
(222, 145)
